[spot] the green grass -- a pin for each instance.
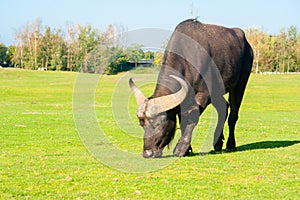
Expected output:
(42, 156)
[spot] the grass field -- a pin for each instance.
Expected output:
(42, 156)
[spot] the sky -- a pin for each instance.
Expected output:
(269, 15)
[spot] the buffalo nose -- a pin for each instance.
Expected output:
(147, 153)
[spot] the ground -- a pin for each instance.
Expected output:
(42, 156)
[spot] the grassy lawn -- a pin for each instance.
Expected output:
(43, 157)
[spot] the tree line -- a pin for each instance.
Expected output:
(275, 53)
(74, 48)
(85, 48)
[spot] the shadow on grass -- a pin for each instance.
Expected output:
(254, 146)
(267, 145)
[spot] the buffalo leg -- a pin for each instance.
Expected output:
(236, 96)
(187, 125)
(221, 106)
(235, 99)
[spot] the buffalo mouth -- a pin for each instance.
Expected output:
(152, 154)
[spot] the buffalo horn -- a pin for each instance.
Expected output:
(164, 103)
(139, 96)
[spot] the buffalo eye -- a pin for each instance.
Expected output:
(142, 122)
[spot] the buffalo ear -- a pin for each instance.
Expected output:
(139, 96)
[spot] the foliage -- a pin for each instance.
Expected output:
(4, 59)
(158, 56)
(73, 48)
(275, 53)
(42, 156)
(118, 62)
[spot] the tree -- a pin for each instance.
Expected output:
(297, 55)
(292, 34)
(277, 53)
(58, 50)
(255, 37)
(72, 48)
(46, 48)
(118, 61)
(3, 55)
(135, 53)
(158, 58)
(28, 41)
(10, 54)
(88, 39)
(36, 40)
(17, 58)
(270, 54)
(149, 55)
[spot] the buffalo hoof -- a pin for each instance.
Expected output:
(231, 149)
(218, 146)
(230, 145)
(182, 150)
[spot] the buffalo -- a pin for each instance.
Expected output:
(201, 63)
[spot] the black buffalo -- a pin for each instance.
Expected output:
(207, 61)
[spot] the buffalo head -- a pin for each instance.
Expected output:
(157, 117)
